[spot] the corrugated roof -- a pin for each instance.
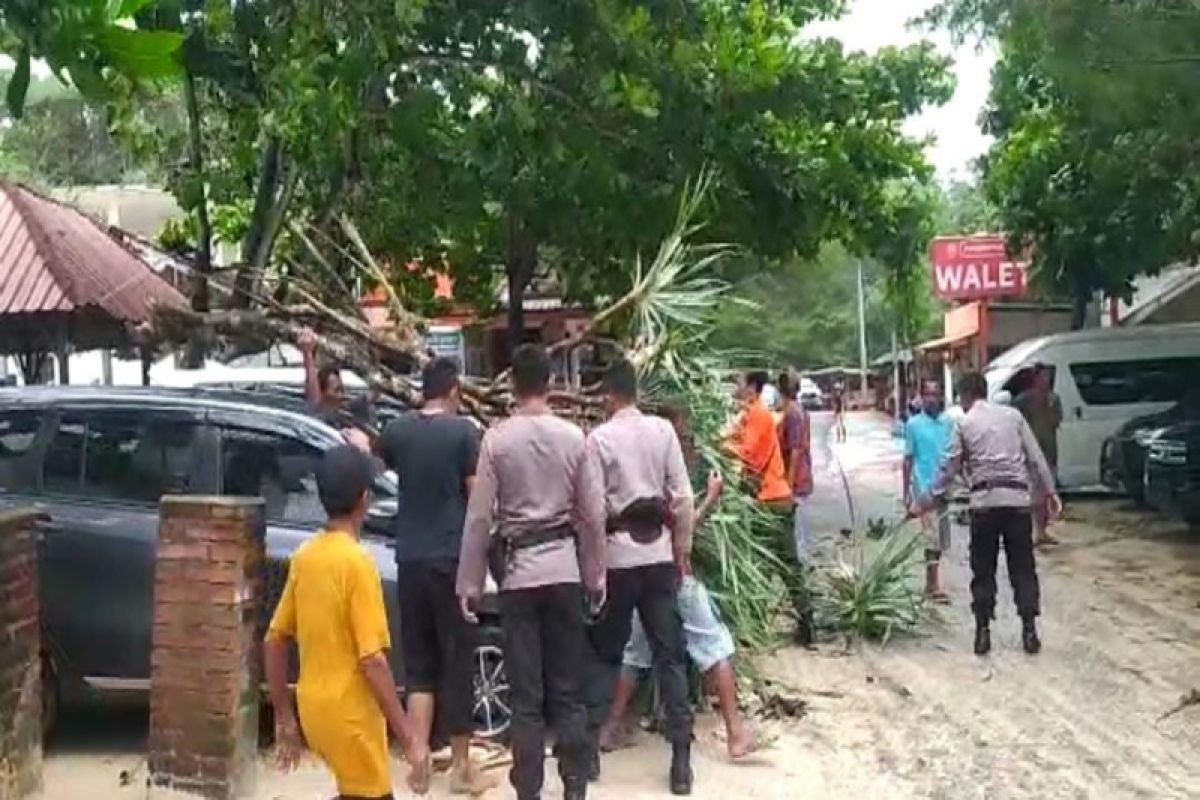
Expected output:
(55, 259)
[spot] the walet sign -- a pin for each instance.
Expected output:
(976, 268)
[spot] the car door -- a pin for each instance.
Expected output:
(278, 463)
(104, 471)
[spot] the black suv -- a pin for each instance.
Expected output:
(97, 460)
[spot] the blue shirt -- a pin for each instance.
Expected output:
(925, 441)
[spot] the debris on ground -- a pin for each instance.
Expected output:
(1190, 699)
(773, 701)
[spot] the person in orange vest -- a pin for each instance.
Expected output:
(757, 445)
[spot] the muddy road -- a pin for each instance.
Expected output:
(921, 718)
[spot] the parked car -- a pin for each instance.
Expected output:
(1104, 378)
(1123, 457)
(97, 460)
(811, 396)
(1172, 475)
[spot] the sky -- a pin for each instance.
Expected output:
(872, 24)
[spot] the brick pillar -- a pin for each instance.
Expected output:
(205, 668)
(20, 662)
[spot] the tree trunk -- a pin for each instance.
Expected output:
(519, 265)
(200, 298)
(256, 231)
(1079, 307)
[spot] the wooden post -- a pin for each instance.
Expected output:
(985, 325)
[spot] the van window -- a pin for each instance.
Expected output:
(1107, 383)
(18, 434)
(121, 456)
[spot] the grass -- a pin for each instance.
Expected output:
(873, 595)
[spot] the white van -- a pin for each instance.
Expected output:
(1104, 377)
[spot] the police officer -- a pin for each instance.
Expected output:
(638, 463)
(532, 485)
(994, 447)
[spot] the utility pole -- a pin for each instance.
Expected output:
(862, 335)
(896, 369)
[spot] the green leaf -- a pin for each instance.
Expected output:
(142, 55)
(18, 84)
(124, 9)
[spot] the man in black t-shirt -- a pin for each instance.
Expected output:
(433, 453)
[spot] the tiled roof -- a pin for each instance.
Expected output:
(56, 259)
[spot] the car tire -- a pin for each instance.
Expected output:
(492, 705)
(51, 700)
(1135, 487)
(1190, 511)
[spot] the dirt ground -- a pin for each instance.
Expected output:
(921, 717)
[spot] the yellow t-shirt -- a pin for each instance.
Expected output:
(333, 607)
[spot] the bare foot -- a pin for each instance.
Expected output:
(742, 743)
(613, 737)
(471, 780)
(420, 774)
(1047, 538)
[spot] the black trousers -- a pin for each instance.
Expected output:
(437, 644)
(652, 591)
(1014, 528)
(544, 645)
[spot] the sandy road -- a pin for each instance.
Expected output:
(923, 718)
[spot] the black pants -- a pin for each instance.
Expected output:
(1013, 527)
(652, 591)
(544, 646)
(437, 643)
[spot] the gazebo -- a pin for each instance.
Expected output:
(66, 285)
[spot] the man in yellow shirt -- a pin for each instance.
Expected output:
(332, 606)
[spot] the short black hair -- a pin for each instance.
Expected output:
(676, 411)
(758, 379)
(972, 385)
(530, 370)
(325, 374)
(439, 378)
(621, 380)
(789, 385)
(343, 476)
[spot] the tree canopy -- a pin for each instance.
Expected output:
(1093, 105)
(498, 140)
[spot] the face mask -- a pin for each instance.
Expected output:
(932, 407)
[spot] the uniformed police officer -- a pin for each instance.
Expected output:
(532, 485)
(996, 450)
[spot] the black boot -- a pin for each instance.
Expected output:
(593, 765)
(681, 769)
(983, 638)
(1029, 637)
(575, 790)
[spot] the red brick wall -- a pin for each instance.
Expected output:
(205, 670)
(20, 664)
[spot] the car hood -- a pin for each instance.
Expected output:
(1160, 419)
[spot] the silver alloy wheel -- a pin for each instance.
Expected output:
(492, 710)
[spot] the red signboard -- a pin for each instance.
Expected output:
(976, 268)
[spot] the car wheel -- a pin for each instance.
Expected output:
(492, 710)
(1135, 487)
(50, 697)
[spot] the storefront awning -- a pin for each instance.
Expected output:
(945, 343)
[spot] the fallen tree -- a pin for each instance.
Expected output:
(659, 323)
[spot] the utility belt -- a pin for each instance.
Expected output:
(503, 550)
(987, 486)
(643, 520)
